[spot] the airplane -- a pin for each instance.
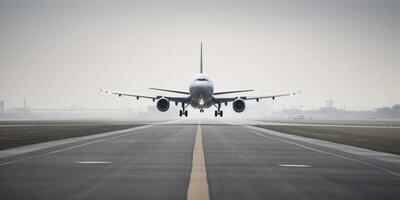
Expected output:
(201, 96)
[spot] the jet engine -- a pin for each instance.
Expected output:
(238, 105)
(163, 104)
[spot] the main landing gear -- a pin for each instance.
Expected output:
(219, 111)
(183, 111)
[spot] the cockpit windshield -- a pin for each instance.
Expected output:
(202, 79)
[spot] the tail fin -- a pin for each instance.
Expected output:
(201, 57)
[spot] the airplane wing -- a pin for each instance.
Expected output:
(174, 91)
(128, 95)
(174, 99)
(268, 97)
(224, 100)
(230, 92)
(257, 98)
(185, 100)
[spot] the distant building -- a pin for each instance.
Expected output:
(1, 107)
(25, 109)
(329, 103)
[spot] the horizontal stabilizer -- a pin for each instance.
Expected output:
(173, 91)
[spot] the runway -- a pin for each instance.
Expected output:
(159, 162)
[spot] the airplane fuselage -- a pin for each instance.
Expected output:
(201, 92)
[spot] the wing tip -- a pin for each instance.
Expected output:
(297, 92)
(104, 91)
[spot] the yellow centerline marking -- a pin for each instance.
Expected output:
(293, 165)
(94, 162)
(198, 185)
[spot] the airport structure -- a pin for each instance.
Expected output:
(2, 106)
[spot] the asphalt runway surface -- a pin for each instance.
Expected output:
(160, 161)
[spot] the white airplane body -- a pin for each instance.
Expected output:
(201, 96)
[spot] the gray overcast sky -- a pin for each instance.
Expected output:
(58, 53)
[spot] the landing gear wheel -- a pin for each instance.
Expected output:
(220, 113)
(181, 112)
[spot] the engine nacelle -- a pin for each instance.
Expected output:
(238, 105)
(163, 104)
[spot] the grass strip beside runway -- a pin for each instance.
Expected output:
(15, 136)
(378, 139)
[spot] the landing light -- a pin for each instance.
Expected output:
(201, 102)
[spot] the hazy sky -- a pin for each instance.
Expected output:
(58, 53)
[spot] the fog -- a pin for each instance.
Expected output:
(57, 54)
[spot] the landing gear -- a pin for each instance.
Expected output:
(183, 111)
(219, 111)
(201, 110)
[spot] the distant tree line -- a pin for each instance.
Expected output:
(335, 113)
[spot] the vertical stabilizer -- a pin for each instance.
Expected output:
(201, 57)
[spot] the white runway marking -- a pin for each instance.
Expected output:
(293, 165)
(51, 125)
(387, 157)
(198, 185)
(93, 162)
(258, 122)
(56, 142)
(121, 133)
(383, 169)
